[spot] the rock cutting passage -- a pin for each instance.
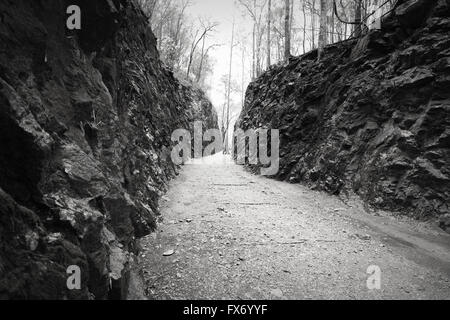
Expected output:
(343, 105)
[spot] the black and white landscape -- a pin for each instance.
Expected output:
(238, 150)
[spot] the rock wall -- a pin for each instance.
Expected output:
(85, 124)
(372, 118)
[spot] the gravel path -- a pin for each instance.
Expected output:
(228, 234)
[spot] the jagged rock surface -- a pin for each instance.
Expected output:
(85, 124)
(373, 117)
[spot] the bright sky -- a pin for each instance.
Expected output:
(222, 12)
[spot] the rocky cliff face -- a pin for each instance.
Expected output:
(85, 124)
(373, 117)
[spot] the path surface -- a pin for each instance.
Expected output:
(240, 236)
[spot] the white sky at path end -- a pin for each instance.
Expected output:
(222, 12)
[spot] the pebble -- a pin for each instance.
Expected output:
(169, 253)
(277, 293)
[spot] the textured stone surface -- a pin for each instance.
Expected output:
(372, 118)
(85, 124)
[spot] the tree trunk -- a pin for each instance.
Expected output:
(258, 52)
(358, 13)
(323, 27)
(333, 28)
(243, 78)
(200, 68)
(254, 52)
(291, 19)
(313, 24)
(287, 30)
(304, 26)
(229, 92)
(269, 22)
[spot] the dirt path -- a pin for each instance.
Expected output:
(240, 236)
